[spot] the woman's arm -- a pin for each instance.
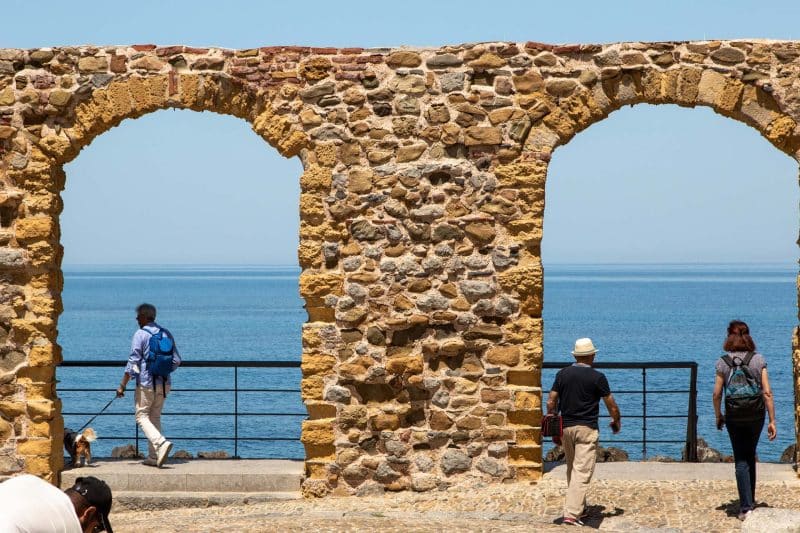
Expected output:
(772, 430)
(718, 383)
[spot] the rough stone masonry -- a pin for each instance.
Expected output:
(421, 221)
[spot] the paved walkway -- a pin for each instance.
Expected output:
(624, 497)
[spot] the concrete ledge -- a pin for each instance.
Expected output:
(159, 501)
(195, 476)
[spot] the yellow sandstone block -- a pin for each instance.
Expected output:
(316, 178)
(317, 432)
(326, 155)
(313, 363)
(528, 436)
(52, 429)
(525, 454)
(524, 378)
(314, 287)
(40, 410)
(42, 466)
(522, 175)
(311, 388)
(318, 410)
(503, 355)
(34, 447)
(25, 331)
(11, 409)
(525, 417)
(33, 228)
(527, 400)
(405, 365)
(311, 336)
(189, 89)
(317, 469)
(44, 355)
(312, 209)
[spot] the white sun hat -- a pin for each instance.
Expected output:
(584, 347)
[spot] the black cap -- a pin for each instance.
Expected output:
(98, 494)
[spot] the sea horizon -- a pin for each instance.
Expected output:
(633, 312)
(553, 263)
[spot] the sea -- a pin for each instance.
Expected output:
(633, 313)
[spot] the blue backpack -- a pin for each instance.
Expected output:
(160, 356)
(744, 399)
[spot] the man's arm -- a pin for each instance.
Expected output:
(613, 411)
(134, 362)
(552, 408)
(552, 403)
(122, 385)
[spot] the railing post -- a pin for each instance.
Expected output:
(236, 411)
(644, 413)
(691, 418)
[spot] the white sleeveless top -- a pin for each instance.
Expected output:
(29, 504)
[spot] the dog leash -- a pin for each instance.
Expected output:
(98, 414)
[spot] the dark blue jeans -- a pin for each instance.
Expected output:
(744, 440)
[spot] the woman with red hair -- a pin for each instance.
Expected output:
(742, 374)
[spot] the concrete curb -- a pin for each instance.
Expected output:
(159, 501)
(198, 476)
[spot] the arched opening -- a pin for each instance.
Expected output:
(662, 224)
(193, 213)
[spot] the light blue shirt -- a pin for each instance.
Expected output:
(140, 348)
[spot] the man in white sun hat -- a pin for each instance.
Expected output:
(576, 394)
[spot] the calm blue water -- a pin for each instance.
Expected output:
(633, 313)
(674, 313)
(215, 314)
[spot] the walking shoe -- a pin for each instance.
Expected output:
(163, 452)
(150, 461)
(569, 521)
(744, 514)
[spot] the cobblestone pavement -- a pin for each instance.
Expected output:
(616, 505)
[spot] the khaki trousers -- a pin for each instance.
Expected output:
(580, 449)
(149, 404)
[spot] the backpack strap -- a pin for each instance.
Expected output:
(747, 358)
(728, 360)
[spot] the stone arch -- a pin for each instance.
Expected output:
(132, 97)
(567, 109)
(34, 197)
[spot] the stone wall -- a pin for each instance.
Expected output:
(421, 218)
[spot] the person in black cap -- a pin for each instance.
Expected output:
(29, 503)
(91, 498)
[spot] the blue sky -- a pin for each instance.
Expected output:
(649, 184)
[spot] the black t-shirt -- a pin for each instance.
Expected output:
(579, 389)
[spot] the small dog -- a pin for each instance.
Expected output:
(78, 445)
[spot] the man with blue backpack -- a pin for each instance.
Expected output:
(153, 358)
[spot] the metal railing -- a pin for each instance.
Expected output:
(690, 442)
(237, 414)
